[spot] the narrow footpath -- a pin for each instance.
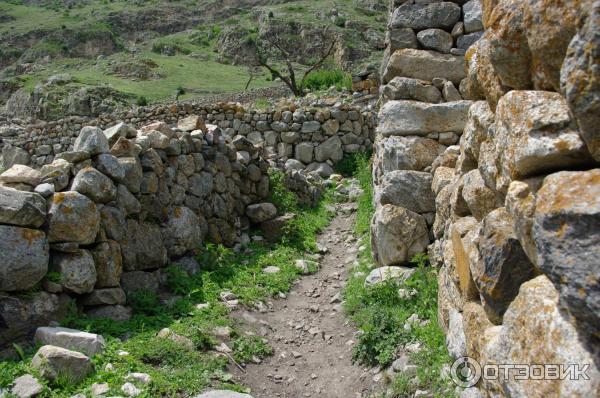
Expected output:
(311, 338)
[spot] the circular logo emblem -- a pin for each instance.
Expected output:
(465, 372)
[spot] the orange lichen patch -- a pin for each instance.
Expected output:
(562, 231)
(567, 190)
(31, 235)
(562, 146)
(177, 212)
(58, 198)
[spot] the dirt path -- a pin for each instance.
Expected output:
(312, 339)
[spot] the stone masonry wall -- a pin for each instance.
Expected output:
(513, 207)
(312, 135)
(103, 219)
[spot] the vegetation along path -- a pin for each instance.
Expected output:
(312, 340)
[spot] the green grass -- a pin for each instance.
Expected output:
(325, 78)
(178, 370)
(380, 312)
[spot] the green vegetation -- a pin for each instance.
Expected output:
(179, 369)
(325, 78)
(381, 312)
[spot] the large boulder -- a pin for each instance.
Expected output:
(91, 140)
(109, 264)
(580, 77)
(261, 212)
(502, 265)
(423, 16)
(535, 332)
(411, 89)
(77, 271)
(21, 174)
(479, 198)
(418, 118)
(404, 153)
(21, 208)
(482, 81)
(95, 185)
(121, 129)
(566, 230)
(473, 16)
(406, 188)
(88, 343)
(182, 231)
(534, 134)
(54, 363)
(436, 40)
(477, 129)
(425, 65)
(72, 217)
(12, 155)
(133, 172)
(143, 248)
(397, 235)
(24, 256)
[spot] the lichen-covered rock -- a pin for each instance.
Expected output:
(425, 65)
(77, 271)
(473, 16)
(21, 208)
(21, 174)
(88, 343)
(442, 177)
(121, 129)
(418, 118)
(580, 77)
(520, 204)
(535, 332)
(397, 235)
(406, 188)
(482, 80)
(477, 327)
(91, 140)
(502, 265)
(24, 256)
(536, 134)
(331, 149)
(436, 40)
(192, 123)
(54, 362)
(72, 217)
(108, 296)
(455, 339)
(182, 231)
(109, 264)
(404, 153)
(479, 198)
(423, 16)
(479, 121)
(566, 231)
(411, 89)
(95, 185)
(110, 166)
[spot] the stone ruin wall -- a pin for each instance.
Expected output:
(510, 212)
(312, 135)
(102, 212)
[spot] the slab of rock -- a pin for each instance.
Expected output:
(181, 232)
(566, 231)
(418, 118)
(442, 15)
(109, 264)
(95, 185)
(406, 188)
(54, 362)
(91, 140)
(261, 212)
(479, 198)
(26, 386)
(121, 129)
(404, 153)
(473, 16)
(482, 80)
(88, 343)
(411, 89)
(304, 152)
(436, 39)
(21, 174)
(25, 256)
(502, 265)
(397, 235)
(479, 121)
(12, 155)
(273, 229)
(72, 217)
(455, 339)
(108, 296)
(77, 271)
(331, 149)
(537, 135)
(580, 80)
(192, 123)
(520, 203)
(535, 312)
(21, 208)
(133, 173)
(382, 274)
(143, 248)
(114, 312)
(425, 65)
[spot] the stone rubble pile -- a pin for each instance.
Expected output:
(101, 220)
(501, 175)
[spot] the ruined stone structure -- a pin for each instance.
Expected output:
(500, 178)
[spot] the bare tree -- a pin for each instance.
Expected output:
(253, 71)
(289, 79)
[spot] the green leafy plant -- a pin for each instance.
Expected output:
(324, 78)
(141, 101)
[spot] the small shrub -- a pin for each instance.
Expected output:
(325, 78)
(144, 302)
(141, 101)
(340, 21)
(283, 199)
(245, 347)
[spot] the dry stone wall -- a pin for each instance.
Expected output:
(314, 136)
(103, 220)
(499, 180)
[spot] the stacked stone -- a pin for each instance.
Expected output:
(422, 113)
(518, 201)
(101, 220)
(312, 136)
